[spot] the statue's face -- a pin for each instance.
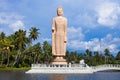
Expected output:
(60, 12)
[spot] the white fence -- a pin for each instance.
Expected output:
(58, 65)
(70, 68)
(106, 67)
(61, 69)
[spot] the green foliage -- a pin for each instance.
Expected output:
(16, 51)
(47, 52)
(118, 56)
(34, 33)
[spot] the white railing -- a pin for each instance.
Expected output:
(70, 68)
(58, 65)
(76, 66)
(106, 67)
(50, 68)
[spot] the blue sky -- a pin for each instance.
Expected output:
(91, 23)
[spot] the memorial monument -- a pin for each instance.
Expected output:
(59, 64)
(59, 37)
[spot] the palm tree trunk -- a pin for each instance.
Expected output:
(35, 58)
(2, 58)
(17, 57)
(7, 59)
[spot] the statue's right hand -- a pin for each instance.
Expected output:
(52, 30)
(65, 41)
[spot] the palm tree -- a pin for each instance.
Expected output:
(67, 56)
(20, 43)
(88, 53)
(118, 56)
(33, 33)
(107, 54)
(2, 38)
(96, 56)
(101, 59)
(8, 47)
(47, 50)
(2, 35)
(33, 36)
(37, 52)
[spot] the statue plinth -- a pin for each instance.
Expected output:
(59, 60)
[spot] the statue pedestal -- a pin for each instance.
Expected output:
(59, 60)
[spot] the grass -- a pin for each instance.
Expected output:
(14, 69)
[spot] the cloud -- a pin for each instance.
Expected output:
(86, 20)
(17, 25)
(108, 13)
(46, 39)
(9, 17)
(95, 44)
(11, 21)
(94, 13)
(83, 45)
(74, 33)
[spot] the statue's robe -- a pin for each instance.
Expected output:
(59, 36)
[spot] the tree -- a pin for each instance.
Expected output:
(37, 52)
(2, 36)
(96, 56)
(101, 59)
(20, 43)
(2, 39)
(117, 61)
(33, 33)
(88, 56)
(107, 54)
(67, 56)
(118, 56)
(111, 59)
(88, 53)
(80, 56)
(2, 48)
(47, 51)
(8, 47)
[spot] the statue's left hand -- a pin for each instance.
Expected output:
(65, 41)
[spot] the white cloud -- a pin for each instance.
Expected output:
(12, 21)
(86, 20)
(83, 45)
(112, 47)
(94, 13)
(46, 39)
(17, 25)
(74, 36)
(75, 32)
(96, 44)
(108, 13)
(7, 18)
(43, 39)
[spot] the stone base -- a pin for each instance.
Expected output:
(64, 63)
(59, 60)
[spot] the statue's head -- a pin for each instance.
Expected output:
(60, 11)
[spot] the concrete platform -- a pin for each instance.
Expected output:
(59, 69)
